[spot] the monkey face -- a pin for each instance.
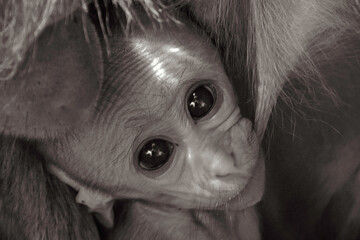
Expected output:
(167, 127)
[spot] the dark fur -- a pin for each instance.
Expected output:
(314, 148)
(34, 204)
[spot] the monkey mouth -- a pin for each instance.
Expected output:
(252, 192)
(238, 200)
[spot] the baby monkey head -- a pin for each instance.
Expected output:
(166, 128)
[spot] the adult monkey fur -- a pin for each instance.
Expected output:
(307, 53)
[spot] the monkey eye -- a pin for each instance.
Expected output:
(200, 102)
(154, 154)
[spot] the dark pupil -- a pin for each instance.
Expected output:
(200, 102)
(154, 154)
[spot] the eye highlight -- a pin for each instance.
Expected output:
(200, 102)
(154, 154)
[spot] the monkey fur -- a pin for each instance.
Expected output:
(295, 67)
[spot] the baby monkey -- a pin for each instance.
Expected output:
(166, 129)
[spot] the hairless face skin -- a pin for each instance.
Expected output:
(167, 128)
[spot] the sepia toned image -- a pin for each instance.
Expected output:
(179, 119)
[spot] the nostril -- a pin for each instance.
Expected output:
(231, 179)
(224, 165)
(236, 164)
(223, 175)
(229, 171)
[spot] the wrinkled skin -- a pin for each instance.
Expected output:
(214, 157)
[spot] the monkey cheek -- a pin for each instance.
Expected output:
(252, 192)
(245, 146)
(249, 160)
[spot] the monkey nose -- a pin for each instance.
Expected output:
(216, 163)
(221, 164)
(221, 172)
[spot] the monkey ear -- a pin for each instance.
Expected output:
(57, 85)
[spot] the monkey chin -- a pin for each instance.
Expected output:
(251, 194)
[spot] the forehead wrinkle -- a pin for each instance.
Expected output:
(142, 115)
(135, 111)
(120, 87)
(117, 65)
(144, 100)
(163, 101)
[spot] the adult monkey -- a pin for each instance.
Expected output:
(297, 41)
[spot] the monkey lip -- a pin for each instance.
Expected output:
(252, 192)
